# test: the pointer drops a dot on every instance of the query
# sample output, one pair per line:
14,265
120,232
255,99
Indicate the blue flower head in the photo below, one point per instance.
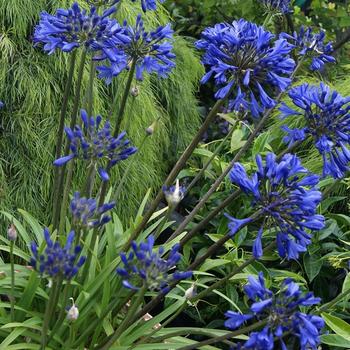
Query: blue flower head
288,202
73,28
312,45
283,315
57,261
174,194
145,267
279,6
149,4
152,52
96,145
327,119
247,64
86,214
2,104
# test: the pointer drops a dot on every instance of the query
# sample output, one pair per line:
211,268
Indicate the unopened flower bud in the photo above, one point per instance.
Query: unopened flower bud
12,233
191,292
134,91
151,128
73,312
174,194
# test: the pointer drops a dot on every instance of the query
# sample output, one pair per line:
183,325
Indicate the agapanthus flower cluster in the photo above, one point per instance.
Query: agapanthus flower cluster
248,64
74,27
327,118
149,4
312,45
145,267
57,261
97,145
174,194
280,6
287,201
86,214
283,315
150,50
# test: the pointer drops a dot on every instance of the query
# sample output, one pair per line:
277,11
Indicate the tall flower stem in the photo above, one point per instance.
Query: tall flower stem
72,124
12,281
236,158
235,333
126,322
50,308
212,157
176,169
59,143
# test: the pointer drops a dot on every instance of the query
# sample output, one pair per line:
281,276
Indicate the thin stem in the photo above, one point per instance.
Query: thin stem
213,156
72,124
225,336
126,322
335,301
176,169
163,222
12,281
59,144
90,92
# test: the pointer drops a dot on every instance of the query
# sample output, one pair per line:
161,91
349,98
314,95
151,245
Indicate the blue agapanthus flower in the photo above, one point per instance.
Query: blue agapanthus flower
57,261
280,6
97,145
152,52
327,119
86,214
312,45
149,4
174,194
288,202
283,315
2,104
74,27
146,267
247,63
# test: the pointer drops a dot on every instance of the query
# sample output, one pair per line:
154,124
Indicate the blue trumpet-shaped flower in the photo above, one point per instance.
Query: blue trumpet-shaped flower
282,312
86,213
145,267
152,52
326,115
312,45
57,261
280,6
149,4
96,145
174,194
287,202
74,27
248,64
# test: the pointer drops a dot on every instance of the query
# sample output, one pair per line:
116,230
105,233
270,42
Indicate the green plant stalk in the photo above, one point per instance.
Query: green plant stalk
234,272
12,281
90,93
213,156
126,322
225,336
50,308
59,143
90,180
117,192
55,219
176,169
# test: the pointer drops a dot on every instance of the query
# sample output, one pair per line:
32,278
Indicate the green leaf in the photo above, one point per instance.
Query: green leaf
212,263
236,140
335,340
312,264
337,325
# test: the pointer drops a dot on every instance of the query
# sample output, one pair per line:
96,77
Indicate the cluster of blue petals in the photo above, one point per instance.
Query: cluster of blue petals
248,64
282,312
281,6
313,45
74,27
288,202
149,4
327,118
145,267
86,213
151,51
57,261
96,145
